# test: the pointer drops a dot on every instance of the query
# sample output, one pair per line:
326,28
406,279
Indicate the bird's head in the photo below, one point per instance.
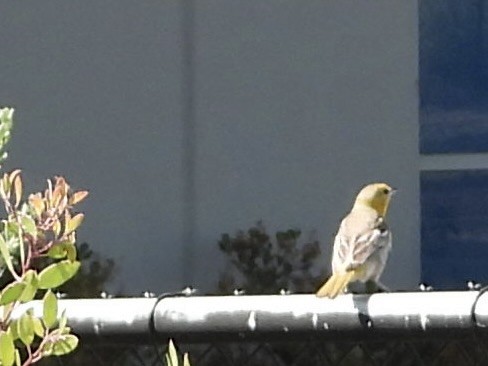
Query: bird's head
376,196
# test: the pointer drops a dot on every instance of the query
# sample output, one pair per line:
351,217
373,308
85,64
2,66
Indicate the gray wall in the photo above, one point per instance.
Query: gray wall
295,105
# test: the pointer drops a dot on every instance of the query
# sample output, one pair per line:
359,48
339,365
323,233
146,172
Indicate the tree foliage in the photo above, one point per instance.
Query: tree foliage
260,264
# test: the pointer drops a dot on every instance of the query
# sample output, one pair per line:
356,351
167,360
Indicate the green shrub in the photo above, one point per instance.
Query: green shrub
42,226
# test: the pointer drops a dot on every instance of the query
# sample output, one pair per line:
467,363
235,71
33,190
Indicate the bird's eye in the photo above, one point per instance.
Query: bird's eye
386,191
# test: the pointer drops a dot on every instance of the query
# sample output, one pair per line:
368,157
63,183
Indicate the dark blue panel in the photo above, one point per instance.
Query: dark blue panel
454,231
453,81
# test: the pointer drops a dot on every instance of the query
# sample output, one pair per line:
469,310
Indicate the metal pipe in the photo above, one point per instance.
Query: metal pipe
295,316
117,320
248,318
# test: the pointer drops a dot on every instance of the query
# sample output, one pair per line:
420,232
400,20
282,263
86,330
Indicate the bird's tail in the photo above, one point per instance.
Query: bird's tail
335,285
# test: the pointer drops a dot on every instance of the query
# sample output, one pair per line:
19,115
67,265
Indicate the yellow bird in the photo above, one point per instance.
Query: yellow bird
362,243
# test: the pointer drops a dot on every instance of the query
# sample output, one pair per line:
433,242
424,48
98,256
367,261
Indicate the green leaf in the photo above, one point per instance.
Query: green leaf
6,122
7,349
47,349
64,345
56,274
57,251
171,355
50,309
17,180
37,204
74,223
25,328
30,280
6,254
63,250
38,327
63,320
13,327
18,361
12,292
11,228
71,251
57,227
29,225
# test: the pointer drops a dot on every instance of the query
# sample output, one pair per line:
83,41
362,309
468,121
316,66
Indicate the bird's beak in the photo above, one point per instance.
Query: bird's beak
393,191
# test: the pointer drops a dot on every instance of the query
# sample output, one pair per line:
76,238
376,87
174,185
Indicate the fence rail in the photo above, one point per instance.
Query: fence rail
196,319
424,328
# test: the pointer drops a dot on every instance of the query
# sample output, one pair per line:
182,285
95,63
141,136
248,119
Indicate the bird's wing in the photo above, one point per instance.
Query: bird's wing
358,239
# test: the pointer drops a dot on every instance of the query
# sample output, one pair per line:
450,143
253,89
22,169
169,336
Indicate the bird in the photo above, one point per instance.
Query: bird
362,243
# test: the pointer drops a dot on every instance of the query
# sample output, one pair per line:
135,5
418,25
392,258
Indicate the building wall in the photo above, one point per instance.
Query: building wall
189,119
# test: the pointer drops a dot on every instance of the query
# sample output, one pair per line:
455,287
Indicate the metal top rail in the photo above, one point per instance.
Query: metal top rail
195,319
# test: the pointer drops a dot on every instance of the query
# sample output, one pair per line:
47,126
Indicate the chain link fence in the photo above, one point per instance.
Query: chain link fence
310,352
